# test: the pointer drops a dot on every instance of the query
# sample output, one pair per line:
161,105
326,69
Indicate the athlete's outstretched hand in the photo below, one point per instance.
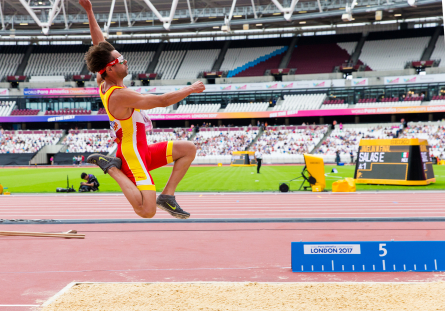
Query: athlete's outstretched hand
86,4
198,87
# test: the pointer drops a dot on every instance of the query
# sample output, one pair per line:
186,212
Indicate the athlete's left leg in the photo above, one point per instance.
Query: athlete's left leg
183,154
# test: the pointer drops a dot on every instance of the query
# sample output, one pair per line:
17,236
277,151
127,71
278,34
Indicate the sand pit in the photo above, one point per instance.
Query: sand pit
251,296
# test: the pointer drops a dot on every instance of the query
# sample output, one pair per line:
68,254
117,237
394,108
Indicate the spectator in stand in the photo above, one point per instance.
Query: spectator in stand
405,124
401,127
334,123
341,126
258,123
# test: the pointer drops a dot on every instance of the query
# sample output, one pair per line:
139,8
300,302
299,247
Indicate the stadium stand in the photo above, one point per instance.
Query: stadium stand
286,143
101,111
260,68
197,61
301,102
241,107
67,112
238,59
389,102
160,110
199,108
348,139
25,112
9,64
439,51
160,135
317,58
138,61
6,107
56,60
47,79
28,141
169,63
216,142
88,141
397,52
434,133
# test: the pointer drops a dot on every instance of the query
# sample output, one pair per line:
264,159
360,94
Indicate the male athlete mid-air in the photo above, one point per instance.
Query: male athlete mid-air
134,158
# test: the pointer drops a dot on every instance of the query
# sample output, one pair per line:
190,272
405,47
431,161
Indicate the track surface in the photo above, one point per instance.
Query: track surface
34,269
331,205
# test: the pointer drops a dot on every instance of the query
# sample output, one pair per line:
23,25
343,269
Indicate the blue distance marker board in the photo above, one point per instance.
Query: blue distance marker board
375,256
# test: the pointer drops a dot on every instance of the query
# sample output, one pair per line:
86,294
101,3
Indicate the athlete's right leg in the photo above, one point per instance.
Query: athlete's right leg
143,201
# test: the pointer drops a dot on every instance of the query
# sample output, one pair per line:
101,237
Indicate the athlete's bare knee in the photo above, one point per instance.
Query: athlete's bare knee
191,149
147,213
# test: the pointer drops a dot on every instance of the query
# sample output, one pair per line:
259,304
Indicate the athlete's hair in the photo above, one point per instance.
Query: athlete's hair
98,56
83,175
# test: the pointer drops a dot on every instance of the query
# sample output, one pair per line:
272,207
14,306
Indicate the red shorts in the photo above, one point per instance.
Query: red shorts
139,159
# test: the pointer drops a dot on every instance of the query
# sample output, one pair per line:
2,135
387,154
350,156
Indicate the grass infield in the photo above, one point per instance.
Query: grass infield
197,179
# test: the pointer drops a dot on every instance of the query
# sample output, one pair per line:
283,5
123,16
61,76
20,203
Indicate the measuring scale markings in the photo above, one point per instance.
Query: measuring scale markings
398,255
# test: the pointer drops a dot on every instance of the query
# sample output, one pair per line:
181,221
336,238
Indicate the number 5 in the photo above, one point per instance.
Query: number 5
382,249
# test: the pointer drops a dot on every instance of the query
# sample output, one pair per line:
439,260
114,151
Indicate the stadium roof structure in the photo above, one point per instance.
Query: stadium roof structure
36,18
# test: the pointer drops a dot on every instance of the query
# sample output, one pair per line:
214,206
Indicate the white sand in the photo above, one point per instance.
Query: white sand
252,296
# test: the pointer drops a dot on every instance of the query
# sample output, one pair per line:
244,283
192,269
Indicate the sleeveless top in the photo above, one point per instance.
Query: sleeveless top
130,130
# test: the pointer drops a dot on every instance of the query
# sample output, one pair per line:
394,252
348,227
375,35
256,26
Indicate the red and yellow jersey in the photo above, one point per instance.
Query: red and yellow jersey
137,158
126,130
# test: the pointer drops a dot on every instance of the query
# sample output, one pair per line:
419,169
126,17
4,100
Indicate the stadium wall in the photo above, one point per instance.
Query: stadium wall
16,158
63,158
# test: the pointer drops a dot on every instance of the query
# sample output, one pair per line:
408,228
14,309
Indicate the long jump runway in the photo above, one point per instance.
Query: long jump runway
251,241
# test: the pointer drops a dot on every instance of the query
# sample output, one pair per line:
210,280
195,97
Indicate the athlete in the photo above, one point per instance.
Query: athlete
134,158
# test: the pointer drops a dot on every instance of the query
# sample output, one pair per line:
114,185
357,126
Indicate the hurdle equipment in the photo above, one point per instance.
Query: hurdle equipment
71,234
369,256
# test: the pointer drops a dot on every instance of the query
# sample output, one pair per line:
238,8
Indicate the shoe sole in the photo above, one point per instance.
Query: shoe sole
174,214
91,160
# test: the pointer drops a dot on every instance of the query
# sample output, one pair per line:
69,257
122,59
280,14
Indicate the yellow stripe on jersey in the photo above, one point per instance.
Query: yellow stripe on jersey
169,152
147,187
129,143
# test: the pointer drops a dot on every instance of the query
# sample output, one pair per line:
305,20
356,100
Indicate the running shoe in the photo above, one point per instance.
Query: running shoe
104,162
169,204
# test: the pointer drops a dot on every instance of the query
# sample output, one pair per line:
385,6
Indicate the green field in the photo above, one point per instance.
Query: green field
197,179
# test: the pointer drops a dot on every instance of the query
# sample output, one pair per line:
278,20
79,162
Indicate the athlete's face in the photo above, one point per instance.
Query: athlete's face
120,68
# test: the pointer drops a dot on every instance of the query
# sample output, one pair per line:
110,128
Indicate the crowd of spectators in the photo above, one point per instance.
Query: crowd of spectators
434,133
88,142
223,142
176,134
26,143
296,141
346,140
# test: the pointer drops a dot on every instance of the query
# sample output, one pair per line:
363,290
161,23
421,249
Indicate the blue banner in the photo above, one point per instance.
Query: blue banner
375,256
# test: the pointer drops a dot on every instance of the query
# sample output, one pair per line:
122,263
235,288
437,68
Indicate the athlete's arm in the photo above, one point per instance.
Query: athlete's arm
131,99
96,32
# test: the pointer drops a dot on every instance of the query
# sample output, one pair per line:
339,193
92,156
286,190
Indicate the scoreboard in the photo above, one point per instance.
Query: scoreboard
394,162
243,158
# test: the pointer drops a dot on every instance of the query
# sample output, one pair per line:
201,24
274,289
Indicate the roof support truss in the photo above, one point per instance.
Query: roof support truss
52,12
165,20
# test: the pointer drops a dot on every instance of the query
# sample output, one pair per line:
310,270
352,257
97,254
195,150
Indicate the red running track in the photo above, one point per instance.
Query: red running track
267,205
34,269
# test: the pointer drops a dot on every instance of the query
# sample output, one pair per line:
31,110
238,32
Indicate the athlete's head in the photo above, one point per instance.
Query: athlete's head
106,61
